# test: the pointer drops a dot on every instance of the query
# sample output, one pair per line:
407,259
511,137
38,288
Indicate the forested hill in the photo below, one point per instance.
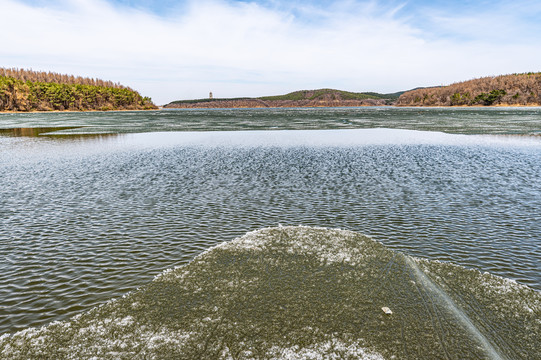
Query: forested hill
329,94
512,90
302,98
27,90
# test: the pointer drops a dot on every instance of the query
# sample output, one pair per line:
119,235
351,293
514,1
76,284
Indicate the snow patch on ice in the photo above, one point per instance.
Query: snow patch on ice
329,349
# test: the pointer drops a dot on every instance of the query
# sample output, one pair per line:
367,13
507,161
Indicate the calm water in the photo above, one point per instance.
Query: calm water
108,200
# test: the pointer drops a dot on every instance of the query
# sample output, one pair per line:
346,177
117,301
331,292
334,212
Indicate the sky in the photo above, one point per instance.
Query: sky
171,50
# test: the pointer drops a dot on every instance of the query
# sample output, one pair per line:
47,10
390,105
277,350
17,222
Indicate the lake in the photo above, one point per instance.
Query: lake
94,205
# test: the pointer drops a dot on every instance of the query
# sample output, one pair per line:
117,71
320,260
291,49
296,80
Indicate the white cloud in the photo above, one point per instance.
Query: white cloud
244,49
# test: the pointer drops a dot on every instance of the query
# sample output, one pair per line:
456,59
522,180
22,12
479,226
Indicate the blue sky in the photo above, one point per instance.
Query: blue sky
183,49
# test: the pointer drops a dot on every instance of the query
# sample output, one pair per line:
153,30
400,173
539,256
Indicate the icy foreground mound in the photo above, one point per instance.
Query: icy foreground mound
302,293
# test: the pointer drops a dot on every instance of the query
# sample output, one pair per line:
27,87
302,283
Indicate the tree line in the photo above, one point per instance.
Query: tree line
513,89
52,77
28,90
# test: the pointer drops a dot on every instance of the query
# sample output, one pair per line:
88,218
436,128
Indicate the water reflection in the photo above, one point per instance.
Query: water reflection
84,137
32,131
57,134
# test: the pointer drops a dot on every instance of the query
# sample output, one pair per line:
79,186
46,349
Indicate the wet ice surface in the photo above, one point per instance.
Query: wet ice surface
451,120
300,292
86,219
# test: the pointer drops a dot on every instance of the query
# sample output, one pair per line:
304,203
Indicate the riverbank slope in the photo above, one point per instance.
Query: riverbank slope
504,90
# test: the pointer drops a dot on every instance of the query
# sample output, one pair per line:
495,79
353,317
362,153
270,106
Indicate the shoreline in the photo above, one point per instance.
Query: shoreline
274,107
470,106
71,111
355,106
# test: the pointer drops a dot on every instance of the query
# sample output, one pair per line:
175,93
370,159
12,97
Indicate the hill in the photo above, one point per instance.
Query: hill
27,90
302,98
511,90
326,94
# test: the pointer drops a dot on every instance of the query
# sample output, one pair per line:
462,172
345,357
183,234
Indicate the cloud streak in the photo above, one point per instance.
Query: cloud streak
250,49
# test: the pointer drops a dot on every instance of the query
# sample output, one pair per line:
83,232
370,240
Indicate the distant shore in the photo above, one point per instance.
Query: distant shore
198,106
390,106
469,106
513,90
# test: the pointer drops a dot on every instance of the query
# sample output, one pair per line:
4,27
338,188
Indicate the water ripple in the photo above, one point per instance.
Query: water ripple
83,225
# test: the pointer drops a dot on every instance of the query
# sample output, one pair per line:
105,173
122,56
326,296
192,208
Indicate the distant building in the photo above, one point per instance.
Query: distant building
210,95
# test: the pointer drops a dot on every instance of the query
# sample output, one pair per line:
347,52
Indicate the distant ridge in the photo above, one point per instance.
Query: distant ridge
504,90
28,90
301,98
